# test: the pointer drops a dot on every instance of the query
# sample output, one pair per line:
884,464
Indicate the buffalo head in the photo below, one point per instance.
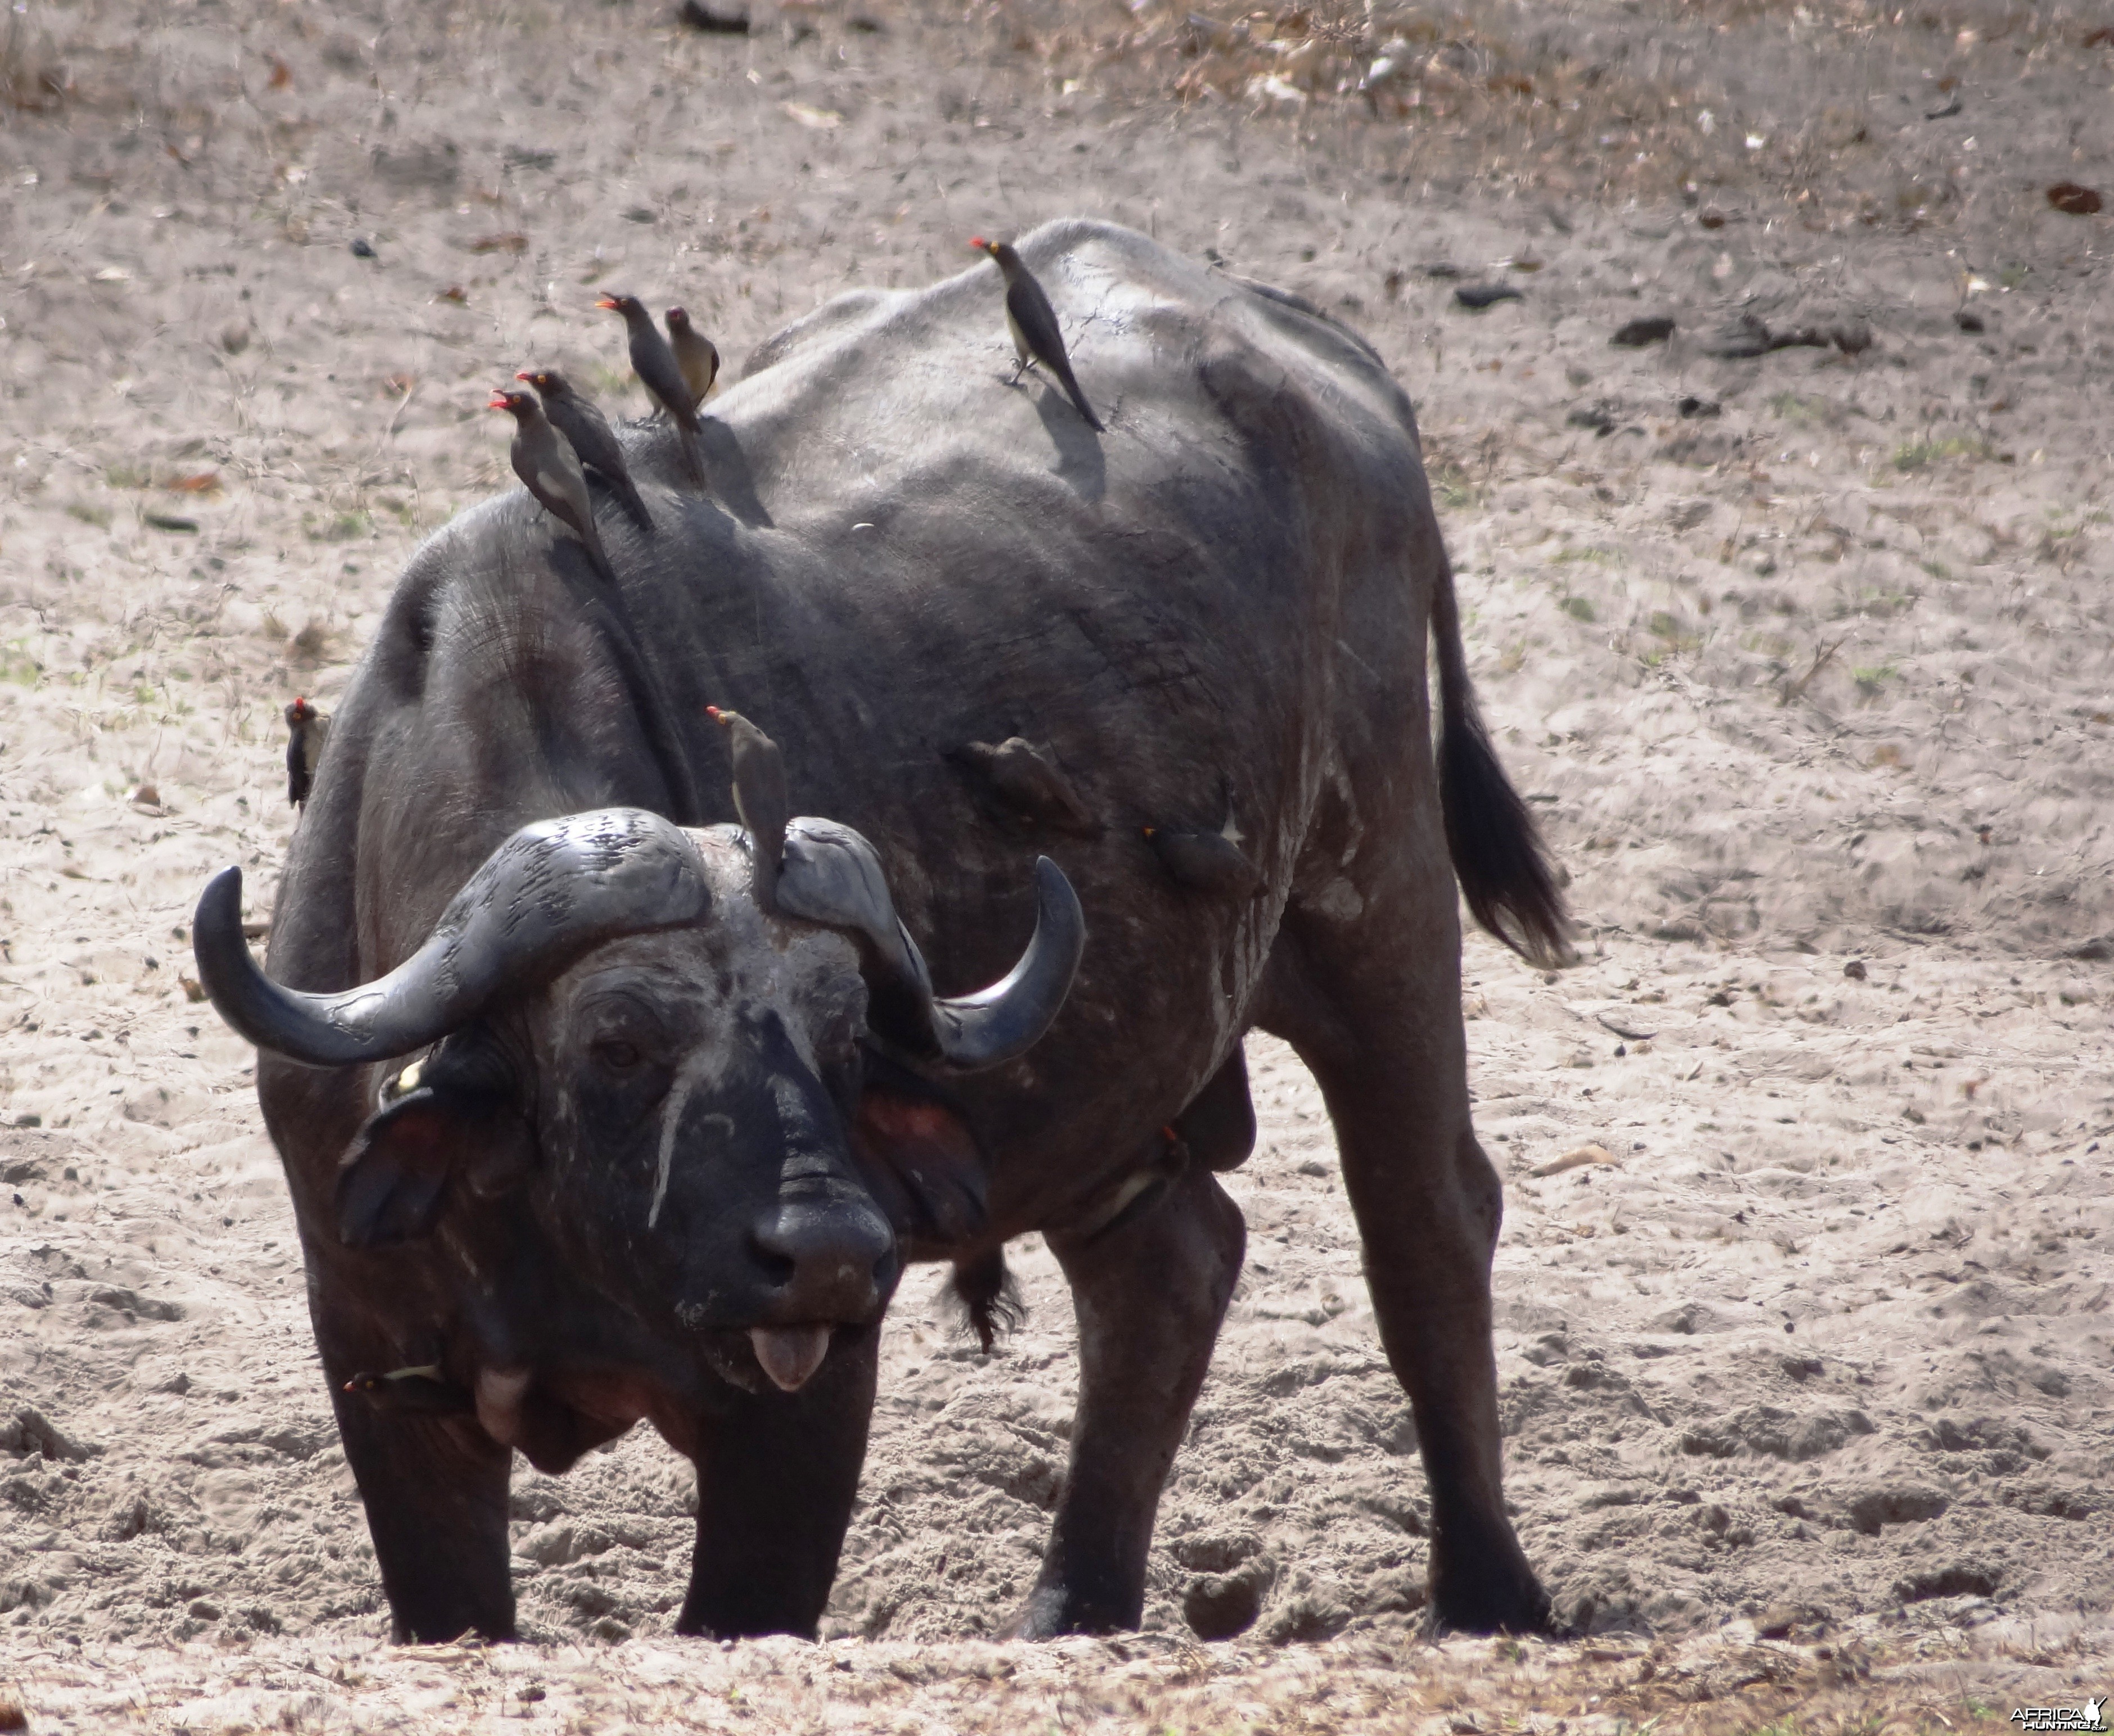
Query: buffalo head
724,1116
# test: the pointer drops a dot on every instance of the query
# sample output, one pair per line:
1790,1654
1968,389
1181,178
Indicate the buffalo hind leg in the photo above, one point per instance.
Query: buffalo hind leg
435,1489
1380,1026
1149,1293
777,1472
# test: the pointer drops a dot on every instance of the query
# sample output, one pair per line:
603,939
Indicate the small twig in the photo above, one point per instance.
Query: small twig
1822,658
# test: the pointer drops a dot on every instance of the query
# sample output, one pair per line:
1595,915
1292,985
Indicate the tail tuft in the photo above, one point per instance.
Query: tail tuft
1498,853
989,1296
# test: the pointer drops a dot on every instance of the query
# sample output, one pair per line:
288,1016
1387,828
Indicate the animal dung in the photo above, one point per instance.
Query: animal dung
1740,339
711,19
1653,328
2077,201
1480,295
1748,336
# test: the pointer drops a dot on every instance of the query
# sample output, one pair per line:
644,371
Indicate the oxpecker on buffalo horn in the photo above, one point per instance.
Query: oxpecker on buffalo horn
306,728
587,431
1024,781
1037,338
551,470
760,797
662,375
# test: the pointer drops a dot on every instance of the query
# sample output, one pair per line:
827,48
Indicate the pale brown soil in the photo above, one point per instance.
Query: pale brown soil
1822,1337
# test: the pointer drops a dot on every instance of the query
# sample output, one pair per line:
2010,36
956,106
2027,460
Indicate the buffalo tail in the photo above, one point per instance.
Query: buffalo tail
1503,867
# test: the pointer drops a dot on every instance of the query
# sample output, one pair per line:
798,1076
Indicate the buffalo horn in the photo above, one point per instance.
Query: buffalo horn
547,894
832,876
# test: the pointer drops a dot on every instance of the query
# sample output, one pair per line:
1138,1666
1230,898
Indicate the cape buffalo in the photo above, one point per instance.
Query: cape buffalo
661,1152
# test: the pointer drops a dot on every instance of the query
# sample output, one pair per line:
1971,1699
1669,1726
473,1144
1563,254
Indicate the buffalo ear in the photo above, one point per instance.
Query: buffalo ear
398,1174
922,1162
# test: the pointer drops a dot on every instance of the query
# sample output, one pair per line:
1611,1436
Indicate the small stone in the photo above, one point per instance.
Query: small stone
1854,970
1777,1621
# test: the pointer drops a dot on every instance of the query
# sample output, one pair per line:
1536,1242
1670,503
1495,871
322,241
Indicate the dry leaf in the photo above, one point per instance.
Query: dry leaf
507,241
821,120
1575,1159
206,482
454,292
282,75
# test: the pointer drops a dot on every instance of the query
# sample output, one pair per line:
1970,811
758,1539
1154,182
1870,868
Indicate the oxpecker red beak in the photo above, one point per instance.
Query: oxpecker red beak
530,377
606,302
499,402
979,243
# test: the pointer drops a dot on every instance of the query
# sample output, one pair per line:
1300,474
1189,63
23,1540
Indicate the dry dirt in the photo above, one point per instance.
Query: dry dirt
1806,659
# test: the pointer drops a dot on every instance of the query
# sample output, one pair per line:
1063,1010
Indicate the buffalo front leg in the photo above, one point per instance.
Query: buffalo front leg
777,1472
1149,1294
1381,1030
435,1489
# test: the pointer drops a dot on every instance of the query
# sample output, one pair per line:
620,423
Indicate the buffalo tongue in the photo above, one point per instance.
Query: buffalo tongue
789,1354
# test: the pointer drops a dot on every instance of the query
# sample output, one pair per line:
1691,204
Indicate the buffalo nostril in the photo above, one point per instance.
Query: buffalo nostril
822,1258
777,1267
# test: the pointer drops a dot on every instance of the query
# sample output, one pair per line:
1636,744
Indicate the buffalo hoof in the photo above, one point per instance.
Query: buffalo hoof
1050,1613
1488,1590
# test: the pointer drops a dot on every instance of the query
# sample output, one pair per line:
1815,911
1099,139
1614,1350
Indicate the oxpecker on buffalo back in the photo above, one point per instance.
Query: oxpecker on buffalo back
1037,338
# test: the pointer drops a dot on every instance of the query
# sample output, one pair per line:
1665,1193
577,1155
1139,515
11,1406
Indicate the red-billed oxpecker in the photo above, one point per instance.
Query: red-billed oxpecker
551,470
695,353
662,375
760,798
1206,861
1036,336
1026,783
306,728
587,430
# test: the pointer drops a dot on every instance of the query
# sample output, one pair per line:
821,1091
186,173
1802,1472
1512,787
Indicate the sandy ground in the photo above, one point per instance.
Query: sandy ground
1805,658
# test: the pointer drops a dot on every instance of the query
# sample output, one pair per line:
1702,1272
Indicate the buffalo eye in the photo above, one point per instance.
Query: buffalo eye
614,1054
